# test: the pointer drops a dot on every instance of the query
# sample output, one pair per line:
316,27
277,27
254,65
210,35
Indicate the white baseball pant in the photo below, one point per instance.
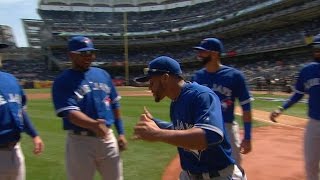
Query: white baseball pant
86,154
12,165
312,149
234,139
230,172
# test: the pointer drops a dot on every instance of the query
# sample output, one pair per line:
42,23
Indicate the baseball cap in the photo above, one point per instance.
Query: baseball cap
2,45
210,44
161,65
80,44
316,41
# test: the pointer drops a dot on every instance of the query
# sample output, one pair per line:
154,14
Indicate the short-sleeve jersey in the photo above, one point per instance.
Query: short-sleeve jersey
309,82
198,106
12,101
229,84
91,92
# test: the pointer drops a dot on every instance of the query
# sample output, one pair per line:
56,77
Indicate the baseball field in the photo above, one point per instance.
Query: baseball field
277,148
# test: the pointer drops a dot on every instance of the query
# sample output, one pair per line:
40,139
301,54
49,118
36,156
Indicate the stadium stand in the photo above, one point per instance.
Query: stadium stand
257,34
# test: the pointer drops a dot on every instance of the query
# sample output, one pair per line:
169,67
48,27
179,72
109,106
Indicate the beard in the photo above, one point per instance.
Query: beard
205,60
157,98
316,58
158,94
316,55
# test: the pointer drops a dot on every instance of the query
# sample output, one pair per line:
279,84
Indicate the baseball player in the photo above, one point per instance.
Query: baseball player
196,126
229,84
308,82
13,121
87,101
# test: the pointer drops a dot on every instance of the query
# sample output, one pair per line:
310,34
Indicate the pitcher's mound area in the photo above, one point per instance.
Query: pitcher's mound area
277,155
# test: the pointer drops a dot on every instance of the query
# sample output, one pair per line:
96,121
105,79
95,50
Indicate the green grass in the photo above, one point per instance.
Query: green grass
142,160
299,109
35,91
254,124
130,88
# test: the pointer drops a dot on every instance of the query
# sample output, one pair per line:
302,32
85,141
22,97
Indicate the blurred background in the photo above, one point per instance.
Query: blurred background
266,39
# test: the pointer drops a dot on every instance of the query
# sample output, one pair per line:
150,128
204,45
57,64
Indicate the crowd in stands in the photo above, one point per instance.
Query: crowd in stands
136,56
282,38
28,69
285,37
279,74
169,19
260,73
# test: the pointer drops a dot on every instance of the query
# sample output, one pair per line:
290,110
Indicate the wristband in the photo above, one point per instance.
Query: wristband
119,126
163,124
247,130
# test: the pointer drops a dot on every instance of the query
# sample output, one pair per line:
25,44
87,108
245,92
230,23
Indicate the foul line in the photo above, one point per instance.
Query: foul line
275,123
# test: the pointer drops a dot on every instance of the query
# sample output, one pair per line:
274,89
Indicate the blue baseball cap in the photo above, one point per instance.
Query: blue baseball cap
161,65
80,44
210,44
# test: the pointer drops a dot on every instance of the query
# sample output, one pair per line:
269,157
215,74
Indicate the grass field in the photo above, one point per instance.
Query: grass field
299,109
141,161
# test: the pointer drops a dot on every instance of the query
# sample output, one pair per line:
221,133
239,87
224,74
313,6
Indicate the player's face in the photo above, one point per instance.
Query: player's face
316,54
204,57
82,61
157,88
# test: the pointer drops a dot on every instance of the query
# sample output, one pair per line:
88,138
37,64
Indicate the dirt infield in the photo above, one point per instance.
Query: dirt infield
39,96
122,93
277,149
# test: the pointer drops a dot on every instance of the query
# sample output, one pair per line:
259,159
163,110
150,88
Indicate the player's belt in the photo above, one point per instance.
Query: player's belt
8,146
205,175
83,133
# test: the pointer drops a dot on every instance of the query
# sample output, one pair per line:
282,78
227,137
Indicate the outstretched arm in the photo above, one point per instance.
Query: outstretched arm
293,99
299,91
193,138
160,123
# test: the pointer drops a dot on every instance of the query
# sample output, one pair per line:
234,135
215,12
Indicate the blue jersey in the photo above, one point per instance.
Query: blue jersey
197,106
13,119
309,82
91,92
229,84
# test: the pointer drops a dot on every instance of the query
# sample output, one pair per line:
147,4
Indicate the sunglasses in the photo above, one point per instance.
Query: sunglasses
147,71
316,46
83,52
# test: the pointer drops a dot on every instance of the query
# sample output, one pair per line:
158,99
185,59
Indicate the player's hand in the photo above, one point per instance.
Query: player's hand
38,145
122,142
100,129
149,115
274,114
245,146
146,129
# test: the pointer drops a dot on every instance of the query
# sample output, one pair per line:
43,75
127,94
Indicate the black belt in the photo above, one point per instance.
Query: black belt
8,146
83,133
212,174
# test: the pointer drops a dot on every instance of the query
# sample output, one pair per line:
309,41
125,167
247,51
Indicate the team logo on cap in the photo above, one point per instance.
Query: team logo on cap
203,41
87,40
